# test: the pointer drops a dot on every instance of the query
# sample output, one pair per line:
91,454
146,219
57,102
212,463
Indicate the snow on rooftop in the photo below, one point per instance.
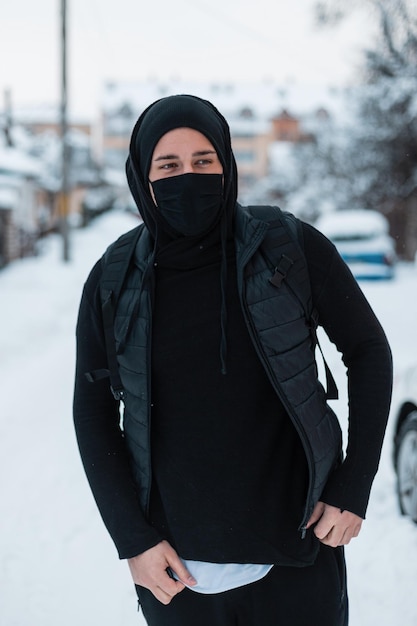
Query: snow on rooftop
265,99
248,127
45,114
14,161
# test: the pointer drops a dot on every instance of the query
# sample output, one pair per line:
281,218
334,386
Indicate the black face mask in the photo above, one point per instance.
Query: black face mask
190,203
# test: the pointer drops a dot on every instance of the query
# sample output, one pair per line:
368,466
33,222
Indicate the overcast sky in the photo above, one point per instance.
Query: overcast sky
208,40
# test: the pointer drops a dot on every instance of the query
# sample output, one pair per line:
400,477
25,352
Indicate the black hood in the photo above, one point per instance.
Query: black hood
161,117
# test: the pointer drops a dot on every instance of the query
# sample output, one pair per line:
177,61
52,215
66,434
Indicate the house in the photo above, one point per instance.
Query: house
46,120
35,135
20,204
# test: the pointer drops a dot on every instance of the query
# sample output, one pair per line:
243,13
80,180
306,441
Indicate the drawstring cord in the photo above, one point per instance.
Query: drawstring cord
223,287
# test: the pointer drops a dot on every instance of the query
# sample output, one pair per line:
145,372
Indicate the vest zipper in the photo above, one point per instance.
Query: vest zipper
149,386
259,349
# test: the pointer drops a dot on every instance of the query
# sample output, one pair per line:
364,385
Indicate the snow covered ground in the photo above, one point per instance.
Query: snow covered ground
57,565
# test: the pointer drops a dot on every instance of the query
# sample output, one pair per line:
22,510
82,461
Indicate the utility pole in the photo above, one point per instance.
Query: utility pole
8,117
64,195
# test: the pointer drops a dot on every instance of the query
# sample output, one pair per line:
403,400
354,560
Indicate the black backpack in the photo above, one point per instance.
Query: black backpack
291,267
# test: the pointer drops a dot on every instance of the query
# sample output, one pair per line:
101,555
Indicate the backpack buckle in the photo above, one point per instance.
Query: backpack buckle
281,271
118,394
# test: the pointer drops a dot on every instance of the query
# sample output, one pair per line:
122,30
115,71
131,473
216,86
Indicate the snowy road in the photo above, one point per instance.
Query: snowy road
58,566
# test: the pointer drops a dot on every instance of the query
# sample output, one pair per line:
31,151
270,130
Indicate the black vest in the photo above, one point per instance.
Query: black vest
277,310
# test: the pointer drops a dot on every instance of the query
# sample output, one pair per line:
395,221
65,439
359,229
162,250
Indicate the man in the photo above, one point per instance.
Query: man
225,487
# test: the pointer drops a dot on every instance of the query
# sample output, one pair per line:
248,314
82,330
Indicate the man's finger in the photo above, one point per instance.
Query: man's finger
165,596
323,530
180,571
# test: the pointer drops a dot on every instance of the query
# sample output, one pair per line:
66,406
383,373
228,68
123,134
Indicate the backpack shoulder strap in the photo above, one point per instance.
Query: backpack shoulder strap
283,246
116,260
115,265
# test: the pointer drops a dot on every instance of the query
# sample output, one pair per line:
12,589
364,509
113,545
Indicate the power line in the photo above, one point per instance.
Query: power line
64,195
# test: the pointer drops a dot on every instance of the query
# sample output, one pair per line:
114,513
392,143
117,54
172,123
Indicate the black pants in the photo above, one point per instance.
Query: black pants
287,596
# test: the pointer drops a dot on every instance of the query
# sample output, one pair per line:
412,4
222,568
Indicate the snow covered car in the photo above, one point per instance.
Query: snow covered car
405,446
362,239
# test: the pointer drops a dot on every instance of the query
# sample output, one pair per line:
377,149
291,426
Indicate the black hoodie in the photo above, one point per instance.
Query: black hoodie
230,474
221,438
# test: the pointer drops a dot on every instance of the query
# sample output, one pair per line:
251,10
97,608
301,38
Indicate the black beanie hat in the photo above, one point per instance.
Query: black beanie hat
177,112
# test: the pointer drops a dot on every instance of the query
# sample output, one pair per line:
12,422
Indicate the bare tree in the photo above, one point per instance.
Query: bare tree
383,145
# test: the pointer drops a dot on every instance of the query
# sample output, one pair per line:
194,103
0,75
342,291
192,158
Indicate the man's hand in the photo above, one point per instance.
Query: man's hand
149,570
334,527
